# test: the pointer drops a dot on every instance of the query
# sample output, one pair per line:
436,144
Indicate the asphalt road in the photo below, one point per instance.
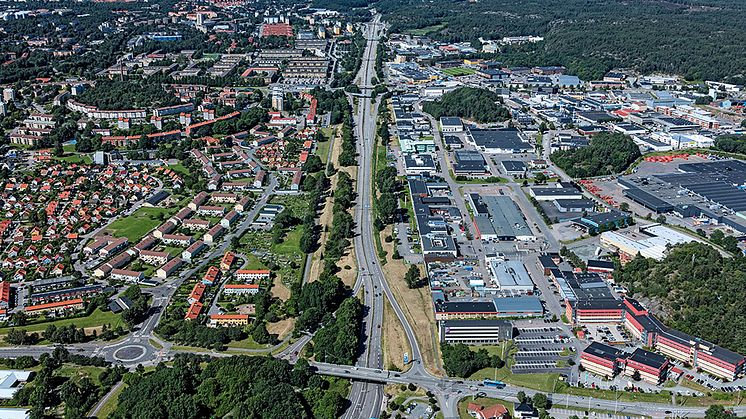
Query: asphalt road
365,398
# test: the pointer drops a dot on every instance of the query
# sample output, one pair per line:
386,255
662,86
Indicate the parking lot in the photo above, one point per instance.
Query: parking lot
542,349
607,333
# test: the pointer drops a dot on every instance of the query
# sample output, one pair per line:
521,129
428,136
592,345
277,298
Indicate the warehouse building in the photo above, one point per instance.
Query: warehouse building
498,218
651,241
511,276
523,306
551,194
498,141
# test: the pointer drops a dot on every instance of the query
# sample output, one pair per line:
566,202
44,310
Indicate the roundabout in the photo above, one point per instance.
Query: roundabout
130,353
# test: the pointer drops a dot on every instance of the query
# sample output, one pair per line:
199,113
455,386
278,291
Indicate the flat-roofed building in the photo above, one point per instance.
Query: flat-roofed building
601,360
451,310
475,332
522,306
232,289
228,320
511,276
652,367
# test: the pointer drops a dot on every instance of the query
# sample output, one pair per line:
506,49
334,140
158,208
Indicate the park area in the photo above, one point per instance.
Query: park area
139,223
284,259
458,71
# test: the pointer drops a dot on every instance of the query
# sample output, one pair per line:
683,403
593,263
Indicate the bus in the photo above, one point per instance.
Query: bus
493,383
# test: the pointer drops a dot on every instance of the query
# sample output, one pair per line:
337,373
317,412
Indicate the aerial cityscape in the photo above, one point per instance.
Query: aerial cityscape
412,209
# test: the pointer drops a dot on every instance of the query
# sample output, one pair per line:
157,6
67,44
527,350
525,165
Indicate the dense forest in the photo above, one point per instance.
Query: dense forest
731,143
606,154
239,386
460,361
128,94
467,102
590,38
697,289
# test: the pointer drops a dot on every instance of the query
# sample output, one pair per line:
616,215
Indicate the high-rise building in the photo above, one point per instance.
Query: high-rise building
9,95
278,99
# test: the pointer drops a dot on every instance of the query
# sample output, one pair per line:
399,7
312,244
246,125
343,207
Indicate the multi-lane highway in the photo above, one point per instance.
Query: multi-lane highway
366,398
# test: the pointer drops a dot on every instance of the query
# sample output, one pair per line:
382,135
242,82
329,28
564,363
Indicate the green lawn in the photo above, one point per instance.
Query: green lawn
291,243
254,262
97,318
458,71
75,158
173,251
247,343
80,371
137,225
322,150
111,404
179,168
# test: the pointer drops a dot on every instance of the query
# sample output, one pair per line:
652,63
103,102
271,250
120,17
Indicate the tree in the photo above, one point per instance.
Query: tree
460,361
387,206
636,375
607,153
540,401
313,164
521,396
624,206
412,277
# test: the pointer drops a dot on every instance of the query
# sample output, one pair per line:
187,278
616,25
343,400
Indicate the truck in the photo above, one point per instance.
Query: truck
493,383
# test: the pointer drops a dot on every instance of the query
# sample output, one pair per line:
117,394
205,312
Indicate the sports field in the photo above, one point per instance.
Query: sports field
458,71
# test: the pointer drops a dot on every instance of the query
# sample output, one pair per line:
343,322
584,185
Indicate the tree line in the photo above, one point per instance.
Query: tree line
238,386
480,105
606,154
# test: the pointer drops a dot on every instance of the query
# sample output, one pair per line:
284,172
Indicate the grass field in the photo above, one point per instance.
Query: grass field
97,318
395,342
111,404
426,30
458,71
135,226
322,150
75,158
247,343
179,168
77,372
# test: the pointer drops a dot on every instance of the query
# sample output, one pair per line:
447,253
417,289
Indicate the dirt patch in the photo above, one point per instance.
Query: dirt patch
348,276
280,290
417,306
395,343
281,328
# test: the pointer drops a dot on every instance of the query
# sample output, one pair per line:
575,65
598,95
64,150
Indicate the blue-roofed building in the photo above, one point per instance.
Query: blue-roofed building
524,306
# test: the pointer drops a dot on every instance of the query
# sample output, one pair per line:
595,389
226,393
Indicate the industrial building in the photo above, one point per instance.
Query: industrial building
469,163
651,241
523,306
511,276
708,190
498,141
499,218
475,332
